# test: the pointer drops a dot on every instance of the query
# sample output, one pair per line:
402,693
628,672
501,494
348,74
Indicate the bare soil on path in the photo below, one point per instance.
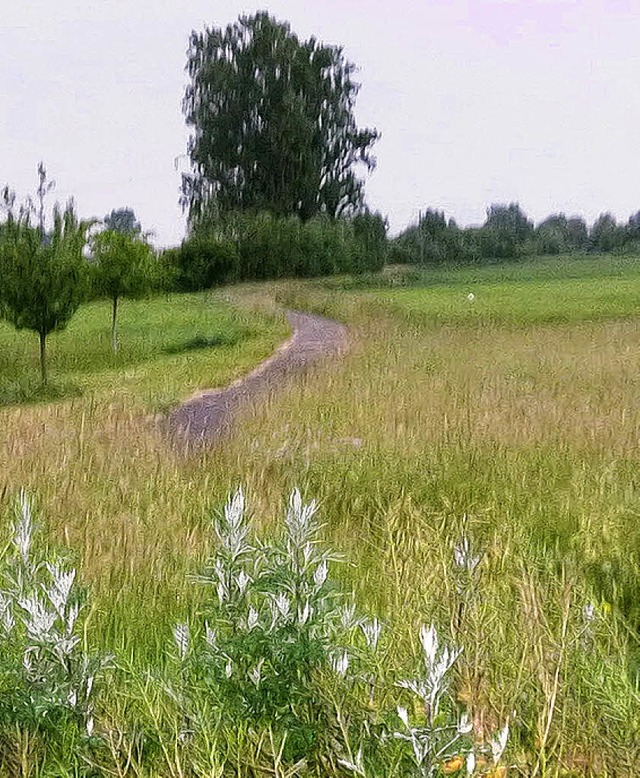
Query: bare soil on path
209,416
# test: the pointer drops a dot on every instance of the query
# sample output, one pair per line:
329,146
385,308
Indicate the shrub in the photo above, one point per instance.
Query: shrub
281,656
47,680
203,262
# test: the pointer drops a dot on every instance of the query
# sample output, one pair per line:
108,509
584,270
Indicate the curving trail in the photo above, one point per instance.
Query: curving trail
209,415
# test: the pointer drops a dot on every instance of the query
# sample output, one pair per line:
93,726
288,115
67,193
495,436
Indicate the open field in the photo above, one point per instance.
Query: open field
512,420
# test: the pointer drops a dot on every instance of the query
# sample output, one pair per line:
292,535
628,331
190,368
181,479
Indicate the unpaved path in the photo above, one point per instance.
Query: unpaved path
209,415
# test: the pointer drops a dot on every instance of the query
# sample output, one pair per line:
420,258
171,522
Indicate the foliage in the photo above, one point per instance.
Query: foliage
509,234
48,681
202,262
171,347
122,220
273,124
123,266
43,274
606,235
245,246
559,235
281,652
513,423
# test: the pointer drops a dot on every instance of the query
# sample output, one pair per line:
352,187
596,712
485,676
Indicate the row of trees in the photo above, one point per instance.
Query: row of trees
508,233
46,273
248,246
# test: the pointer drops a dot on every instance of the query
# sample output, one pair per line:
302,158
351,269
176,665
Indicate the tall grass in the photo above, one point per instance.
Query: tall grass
512,440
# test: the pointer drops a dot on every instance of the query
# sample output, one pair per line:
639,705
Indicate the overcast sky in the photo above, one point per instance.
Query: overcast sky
478,101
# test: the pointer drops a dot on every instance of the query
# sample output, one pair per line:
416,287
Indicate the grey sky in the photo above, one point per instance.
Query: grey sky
478,101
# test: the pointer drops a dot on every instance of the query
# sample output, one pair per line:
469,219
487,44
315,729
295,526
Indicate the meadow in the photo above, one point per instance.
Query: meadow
475,463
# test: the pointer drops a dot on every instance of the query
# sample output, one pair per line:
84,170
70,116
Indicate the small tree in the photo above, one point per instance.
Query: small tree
43,274
121,268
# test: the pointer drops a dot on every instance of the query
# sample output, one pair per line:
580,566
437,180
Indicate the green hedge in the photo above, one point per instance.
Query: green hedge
262,246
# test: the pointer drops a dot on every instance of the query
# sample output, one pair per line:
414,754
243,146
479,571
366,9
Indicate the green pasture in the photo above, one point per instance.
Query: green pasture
169,347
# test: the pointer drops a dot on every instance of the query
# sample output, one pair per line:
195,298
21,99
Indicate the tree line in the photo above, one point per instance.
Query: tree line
508,233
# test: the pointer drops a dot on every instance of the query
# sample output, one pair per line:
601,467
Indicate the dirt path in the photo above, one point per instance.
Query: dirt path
209,415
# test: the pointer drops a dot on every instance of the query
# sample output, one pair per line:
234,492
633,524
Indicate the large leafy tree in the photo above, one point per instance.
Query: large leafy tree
273,124
606,235
509,220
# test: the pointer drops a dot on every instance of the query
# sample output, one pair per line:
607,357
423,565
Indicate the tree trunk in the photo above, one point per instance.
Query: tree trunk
114,337
43,357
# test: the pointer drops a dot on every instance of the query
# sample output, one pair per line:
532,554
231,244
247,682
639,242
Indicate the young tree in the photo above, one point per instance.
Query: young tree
121,268
273,123
43,274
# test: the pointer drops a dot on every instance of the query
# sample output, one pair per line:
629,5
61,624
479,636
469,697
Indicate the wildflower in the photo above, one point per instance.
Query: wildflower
464,725
429,640
256,673
305,613
471,763
211,636
348,616
340,664
252,618
280,606
41,619
23,531
299,516
463,556
453,765
371,633
60,589
403,716
356,766
242,581
320,574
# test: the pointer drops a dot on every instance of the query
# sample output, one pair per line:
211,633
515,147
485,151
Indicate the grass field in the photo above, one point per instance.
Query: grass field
511,420
169,347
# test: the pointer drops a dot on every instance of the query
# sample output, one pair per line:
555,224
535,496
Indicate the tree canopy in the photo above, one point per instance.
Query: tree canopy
273,124
43,274
121,268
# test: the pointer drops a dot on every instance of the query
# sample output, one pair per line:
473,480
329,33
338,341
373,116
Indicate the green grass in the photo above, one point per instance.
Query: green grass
514,419
169,347
553,290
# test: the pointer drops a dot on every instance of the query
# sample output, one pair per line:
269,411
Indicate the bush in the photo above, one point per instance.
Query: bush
202,262
48,682
282,663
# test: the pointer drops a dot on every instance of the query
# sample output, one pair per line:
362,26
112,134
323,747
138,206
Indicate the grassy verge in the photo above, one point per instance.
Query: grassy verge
169,347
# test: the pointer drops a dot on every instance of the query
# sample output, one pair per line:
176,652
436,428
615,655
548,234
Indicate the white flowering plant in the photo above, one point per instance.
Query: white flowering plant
280,650
276,633
47,679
